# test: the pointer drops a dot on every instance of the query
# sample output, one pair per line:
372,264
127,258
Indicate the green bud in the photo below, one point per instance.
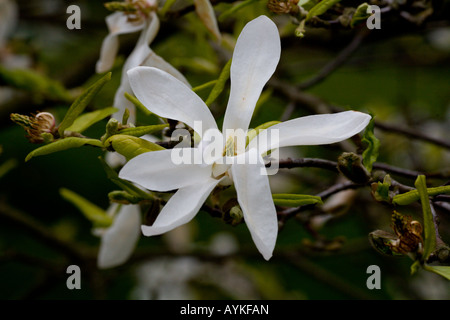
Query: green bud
384,242
351,166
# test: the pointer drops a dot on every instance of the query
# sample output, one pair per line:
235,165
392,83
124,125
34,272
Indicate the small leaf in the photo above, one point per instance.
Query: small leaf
428,220
440,270
143,130
320,8
138,104
130,146
370,154
380,190
123,197
360,14
413,195
93,213
220,84
38,85
81,103
63,144
7,166
295,200
307,4
88,119
123,184
166,7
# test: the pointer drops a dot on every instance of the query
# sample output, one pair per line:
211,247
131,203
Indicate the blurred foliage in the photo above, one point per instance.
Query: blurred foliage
399,74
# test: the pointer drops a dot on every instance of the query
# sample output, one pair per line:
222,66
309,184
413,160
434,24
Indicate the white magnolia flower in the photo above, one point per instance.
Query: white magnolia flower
119,240
255,58
120,23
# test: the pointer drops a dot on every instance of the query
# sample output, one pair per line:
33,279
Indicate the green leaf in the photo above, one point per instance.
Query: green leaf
7,166
81,103
123,197
138,104
440,270
130,146
143,130
413,195
220,84
295,200
380,190
123,184
360,14
320,8
307,4
88,119
40,86
63,144
166,7
428,220
93,213
370,154
230,12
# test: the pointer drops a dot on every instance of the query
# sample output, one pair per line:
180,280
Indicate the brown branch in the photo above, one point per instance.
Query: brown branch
338,61
412,134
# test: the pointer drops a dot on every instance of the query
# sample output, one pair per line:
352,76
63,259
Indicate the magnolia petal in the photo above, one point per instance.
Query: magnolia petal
108,53
149,33
181,208
117,24
255,198
118,242
205,12
158,170
170,98
255,59
315,130
153,60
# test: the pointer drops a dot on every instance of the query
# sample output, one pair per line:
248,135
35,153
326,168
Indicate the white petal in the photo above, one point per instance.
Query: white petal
255,199
108,53
119,241
205,12
153,60
117,24
255,59
316,129
181,208
157,171
168,97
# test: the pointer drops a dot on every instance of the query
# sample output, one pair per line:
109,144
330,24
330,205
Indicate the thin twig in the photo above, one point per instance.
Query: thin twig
338,61
412,134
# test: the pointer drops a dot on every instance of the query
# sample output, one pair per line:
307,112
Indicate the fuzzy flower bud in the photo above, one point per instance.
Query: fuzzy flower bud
37,127
283,6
